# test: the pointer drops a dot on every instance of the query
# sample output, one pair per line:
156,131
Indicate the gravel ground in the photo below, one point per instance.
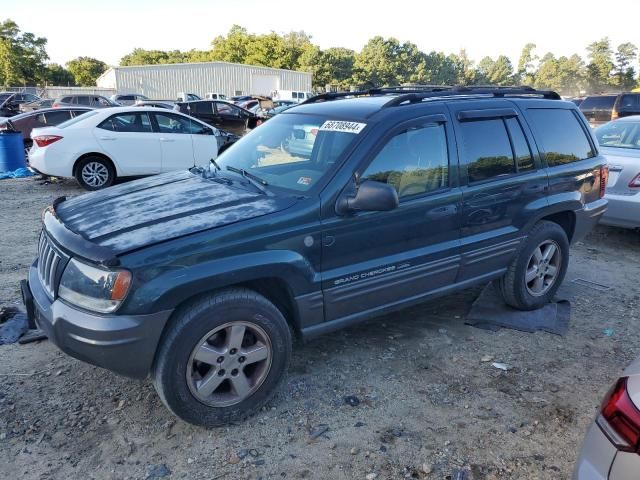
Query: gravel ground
430,402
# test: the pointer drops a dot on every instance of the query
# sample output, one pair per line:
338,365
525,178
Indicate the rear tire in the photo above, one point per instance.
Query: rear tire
223,357
539,268
95,173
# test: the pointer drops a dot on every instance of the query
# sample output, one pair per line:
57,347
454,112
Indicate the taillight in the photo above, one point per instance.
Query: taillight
602,176
614,114
44,140
619,418
55,105
635,182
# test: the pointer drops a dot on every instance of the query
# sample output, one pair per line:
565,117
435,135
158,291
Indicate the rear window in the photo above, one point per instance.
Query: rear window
627,101
561,136
600,102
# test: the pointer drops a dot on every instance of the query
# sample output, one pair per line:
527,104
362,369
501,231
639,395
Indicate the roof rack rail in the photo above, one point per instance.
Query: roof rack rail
417,93
498,92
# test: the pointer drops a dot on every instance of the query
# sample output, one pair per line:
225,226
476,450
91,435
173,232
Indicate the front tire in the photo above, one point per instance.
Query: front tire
539,269
95,173
223,357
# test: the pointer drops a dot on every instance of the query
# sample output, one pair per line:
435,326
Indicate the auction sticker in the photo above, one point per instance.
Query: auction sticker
342,126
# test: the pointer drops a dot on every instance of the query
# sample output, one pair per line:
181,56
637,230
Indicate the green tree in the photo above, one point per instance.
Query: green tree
22,56
333,66
625,55
600,65
86,70
234,47
58,75
465,73
526,66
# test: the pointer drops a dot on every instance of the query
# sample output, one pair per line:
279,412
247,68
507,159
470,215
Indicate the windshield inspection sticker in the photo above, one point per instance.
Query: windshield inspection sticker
304,181
342,126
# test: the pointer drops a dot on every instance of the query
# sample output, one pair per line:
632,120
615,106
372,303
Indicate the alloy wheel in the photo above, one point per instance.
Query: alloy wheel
229,364
543,268
95,174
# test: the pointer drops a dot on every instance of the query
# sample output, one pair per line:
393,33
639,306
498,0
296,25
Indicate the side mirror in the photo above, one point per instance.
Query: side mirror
370,196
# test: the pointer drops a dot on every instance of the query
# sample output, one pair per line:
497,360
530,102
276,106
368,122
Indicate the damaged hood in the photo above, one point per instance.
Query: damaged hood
159,208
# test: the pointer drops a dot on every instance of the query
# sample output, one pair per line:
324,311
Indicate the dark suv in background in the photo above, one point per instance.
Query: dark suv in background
600,109
345,207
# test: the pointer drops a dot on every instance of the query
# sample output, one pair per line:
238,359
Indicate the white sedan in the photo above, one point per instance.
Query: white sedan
103,144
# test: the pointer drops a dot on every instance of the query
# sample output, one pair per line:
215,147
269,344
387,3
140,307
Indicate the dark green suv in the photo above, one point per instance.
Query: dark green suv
345,207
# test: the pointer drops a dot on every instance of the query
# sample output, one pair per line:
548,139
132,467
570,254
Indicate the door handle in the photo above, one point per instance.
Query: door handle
167,140
107,138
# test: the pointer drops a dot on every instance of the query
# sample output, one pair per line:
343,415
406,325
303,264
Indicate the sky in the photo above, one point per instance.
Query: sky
110,30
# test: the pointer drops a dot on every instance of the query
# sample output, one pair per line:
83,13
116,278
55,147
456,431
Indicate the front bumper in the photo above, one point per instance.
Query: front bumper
125,344
623,211
587,218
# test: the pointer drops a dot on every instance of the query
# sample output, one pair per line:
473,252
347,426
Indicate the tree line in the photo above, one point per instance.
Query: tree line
382,61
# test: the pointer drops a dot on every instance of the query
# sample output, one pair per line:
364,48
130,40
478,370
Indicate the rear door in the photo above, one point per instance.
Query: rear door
175,141
597,108
374,260
129,140
501,180
202,111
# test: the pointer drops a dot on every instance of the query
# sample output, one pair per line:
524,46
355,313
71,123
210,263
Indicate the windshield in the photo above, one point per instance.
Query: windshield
623,134
291,151
77,119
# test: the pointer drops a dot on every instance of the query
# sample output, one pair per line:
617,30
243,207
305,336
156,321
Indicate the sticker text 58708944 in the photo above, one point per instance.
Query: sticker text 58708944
342,126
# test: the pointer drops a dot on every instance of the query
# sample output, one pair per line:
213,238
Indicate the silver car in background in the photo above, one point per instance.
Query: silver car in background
611,446
620,144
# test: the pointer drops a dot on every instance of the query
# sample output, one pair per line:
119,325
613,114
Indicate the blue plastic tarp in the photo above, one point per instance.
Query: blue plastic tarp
17,173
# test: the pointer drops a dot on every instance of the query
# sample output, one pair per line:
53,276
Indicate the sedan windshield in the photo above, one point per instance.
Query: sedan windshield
621,134
291,151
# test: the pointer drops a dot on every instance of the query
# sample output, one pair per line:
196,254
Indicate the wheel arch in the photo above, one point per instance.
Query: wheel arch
93,154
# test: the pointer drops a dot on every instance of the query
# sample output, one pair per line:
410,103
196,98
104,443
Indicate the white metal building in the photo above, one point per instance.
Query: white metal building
165,81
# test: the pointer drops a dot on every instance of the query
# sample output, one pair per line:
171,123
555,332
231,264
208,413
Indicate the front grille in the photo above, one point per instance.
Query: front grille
49,260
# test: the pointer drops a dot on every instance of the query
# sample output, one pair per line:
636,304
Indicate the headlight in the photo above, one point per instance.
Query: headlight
94,288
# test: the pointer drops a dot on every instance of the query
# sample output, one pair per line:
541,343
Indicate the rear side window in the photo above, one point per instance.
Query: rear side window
602,102
627,101
561,136
486,149
55,118
127,122
202,107
83,101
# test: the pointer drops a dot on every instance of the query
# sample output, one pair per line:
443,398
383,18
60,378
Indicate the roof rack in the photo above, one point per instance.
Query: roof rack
417,93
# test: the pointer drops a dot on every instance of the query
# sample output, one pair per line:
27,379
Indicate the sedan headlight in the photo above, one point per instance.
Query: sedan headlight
93,288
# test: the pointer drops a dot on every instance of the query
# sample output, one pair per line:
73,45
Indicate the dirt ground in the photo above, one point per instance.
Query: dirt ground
429,405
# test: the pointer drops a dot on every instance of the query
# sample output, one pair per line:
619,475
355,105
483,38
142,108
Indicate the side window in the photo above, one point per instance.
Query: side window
524,159
202,107
81,100
56,118
414,161
127,123
169,123
561,136
627,101
486,149
227,109
67,100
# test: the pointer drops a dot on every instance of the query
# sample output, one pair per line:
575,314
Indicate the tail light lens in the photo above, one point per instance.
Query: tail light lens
619,418
634,183
614,114
602,177
44,140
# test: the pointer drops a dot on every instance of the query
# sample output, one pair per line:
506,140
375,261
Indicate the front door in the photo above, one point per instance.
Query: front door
175,141
230,118
502,182
375,260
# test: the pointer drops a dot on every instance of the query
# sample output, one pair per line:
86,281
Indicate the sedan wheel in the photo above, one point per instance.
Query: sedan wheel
95,174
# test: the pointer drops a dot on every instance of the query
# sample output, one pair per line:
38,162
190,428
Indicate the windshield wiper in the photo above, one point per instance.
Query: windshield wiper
215,164
255,180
